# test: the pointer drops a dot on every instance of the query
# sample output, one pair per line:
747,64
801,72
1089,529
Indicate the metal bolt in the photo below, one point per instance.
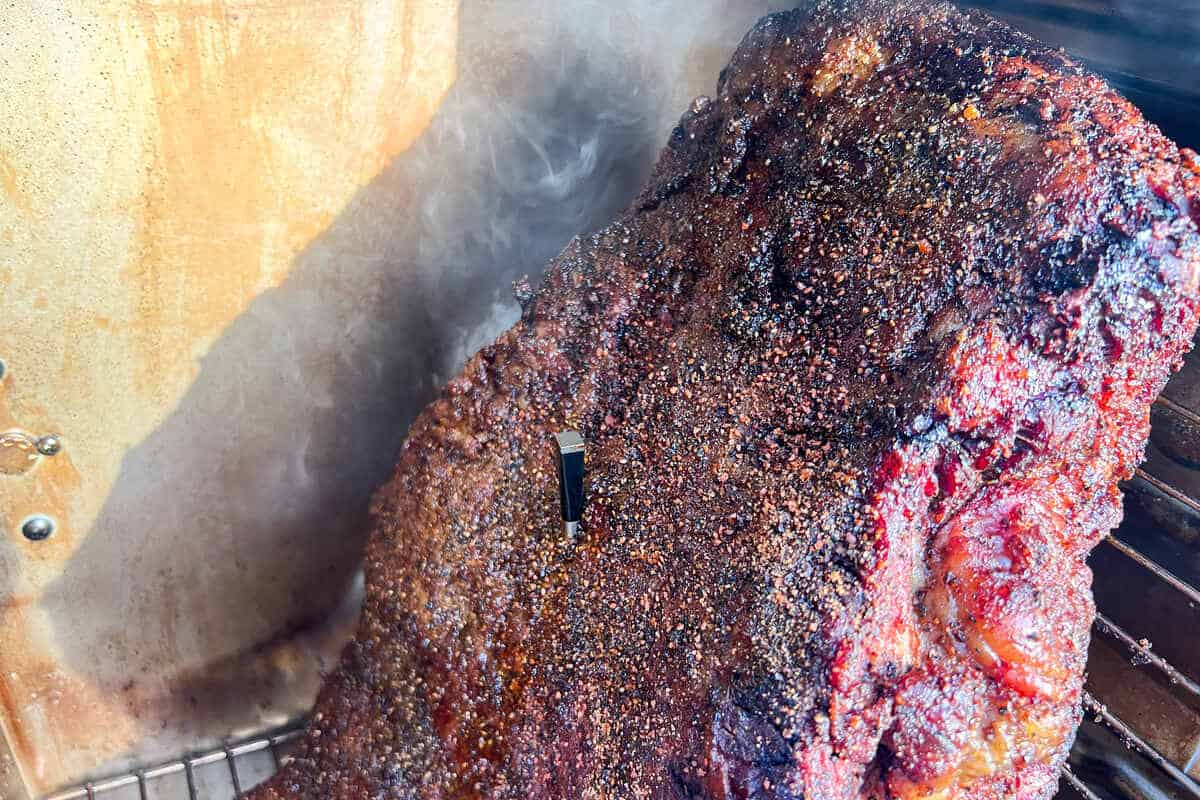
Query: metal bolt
3,369
49,445
35,529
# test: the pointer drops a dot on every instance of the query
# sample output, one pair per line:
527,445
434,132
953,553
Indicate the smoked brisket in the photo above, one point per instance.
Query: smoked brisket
859,373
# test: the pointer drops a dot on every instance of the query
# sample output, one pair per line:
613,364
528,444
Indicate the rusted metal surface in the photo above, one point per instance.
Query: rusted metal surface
163,164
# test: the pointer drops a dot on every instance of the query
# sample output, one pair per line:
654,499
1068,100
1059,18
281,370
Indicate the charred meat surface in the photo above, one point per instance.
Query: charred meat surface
859,372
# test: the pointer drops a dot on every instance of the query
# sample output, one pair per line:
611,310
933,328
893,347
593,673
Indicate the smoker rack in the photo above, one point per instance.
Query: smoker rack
220,774
1140,737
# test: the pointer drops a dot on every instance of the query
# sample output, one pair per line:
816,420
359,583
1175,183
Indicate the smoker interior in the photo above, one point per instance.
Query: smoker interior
1140,737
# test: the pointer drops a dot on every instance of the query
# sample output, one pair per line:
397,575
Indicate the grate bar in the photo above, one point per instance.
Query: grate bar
1078,785
1183,587
1130,737
1175,408
234,778
230,753
190,775
1168,489
1115,631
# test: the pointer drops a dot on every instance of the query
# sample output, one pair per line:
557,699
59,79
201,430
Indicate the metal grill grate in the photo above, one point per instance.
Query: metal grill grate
222,774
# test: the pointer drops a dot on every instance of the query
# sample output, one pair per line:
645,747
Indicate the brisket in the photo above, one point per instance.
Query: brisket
859,372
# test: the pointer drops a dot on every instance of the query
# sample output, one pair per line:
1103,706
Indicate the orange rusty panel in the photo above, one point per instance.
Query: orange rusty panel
162,164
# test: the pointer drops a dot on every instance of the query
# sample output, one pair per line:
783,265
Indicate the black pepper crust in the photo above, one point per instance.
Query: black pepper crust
898,296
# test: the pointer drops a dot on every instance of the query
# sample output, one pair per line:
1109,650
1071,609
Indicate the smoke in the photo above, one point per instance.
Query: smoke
557,118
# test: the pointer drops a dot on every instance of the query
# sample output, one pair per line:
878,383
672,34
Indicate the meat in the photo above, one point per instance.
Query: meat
859,373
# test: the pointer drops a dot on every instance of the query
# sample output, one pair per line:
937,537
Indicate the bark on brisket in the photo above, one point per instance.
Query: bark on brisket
859,371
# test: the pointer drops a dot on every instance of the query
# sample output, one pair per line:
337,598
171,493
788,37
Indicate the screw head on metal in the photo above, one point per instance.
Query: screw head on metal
49,445
37,528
